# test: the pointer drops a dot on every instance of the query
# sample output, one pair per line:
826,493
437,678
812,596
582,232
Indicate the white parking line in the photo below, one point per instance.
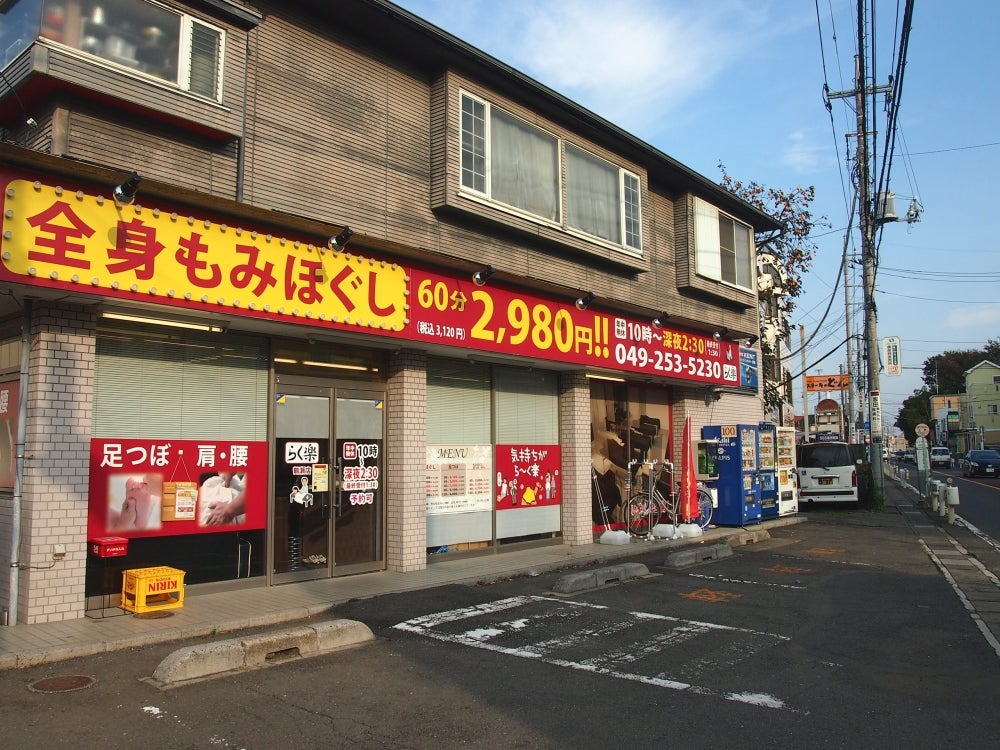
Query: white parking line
615,647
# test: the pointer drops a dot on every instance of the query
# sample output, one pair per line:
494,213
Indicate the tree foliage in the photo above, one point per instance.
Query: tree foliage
793,248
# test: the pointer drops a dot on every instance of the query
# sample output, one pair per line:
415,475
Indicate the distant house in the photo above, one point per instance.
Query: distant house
980,407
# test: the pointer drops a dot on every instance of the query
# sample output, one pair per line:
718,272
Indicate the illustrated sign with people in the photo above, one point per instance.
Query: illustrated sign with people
171,487
527,476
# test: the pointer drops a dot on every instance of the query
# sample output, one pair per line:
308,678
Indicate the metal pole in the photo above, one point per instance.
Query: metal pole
868,266
805,387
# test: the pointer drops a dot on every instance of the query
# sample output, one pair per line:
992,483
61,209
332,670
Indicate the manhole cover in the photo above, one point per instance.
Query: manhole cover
156,614
64,684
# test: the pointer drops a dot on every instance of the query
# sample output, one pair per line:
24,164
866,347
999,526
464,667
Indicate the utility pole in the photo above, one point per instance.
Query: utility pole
867,223
851,380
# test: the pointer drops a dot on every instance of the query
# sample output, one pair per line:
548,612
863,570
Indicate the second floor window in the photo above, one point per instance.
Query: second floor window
724,247
144,37
512,162
992,410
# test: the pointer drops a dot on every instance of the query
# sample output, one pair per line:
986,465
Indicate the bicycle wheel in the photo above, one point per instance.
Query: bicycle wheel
641,514
704,509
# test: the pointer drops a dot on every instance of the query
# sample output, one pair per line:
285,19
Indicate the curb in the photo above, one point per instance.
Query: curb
694,555
210,659
591,579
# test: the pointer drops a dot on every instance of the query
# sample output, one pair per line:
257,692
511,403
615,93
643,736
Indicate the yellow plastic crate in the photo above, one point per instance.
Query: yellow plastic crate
147,589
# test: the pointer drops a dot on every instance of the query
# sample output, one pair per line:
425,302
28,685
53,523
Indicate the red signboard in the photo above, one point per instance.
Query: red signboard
71,237
454,311
527,476
171,487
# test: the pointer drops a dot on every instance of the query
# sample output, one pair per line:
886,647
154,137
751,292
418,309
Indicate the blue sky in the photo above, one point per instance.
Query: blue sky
740,82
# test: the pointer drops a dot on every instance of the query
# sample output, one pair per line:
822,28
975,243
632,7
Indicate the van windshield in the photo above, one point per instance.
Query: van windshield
821,456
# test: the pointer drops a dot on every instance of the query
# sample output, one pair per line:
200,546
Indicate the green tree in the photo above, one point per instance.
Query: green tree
914,410
794,250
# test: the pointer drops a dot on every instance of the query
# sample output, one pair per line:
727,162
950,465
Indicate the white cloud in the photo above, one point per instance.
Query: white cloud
973,317
633,62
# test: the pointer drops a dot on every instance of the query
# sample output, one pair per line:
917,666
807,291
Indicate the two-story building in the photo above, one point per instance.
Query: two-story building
300,290
980,404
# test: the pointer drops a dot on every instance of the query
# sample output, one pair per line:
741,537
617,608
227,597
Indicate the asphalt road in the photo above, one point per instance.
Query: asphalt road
836,633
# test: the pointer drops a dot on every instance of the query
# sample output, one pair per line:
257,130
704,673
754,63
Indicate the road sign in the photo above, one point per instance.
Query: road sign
892,355
875,403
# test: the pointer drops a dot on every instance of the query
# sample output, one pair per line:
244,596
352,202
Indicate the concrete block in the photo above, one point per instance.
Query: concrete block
210,659
693,555
590,579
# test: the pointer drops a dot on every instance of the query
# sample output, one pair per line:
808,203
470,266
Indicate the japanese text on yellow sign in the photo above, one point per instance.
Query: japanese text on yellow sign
57,236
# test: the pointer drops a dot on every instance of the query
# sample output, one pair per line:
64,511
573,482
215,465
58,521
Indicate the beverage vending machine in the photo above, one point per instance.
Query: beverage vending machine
788,480
766,434
738,484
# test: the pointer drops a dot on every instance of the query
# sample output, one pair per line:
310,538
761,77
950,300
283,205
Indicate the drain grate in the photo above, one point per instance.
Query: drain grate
63,684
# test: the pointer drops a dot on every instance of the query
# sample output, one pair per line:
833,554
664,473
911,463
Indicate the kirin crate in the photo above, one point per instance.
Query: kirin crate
149,589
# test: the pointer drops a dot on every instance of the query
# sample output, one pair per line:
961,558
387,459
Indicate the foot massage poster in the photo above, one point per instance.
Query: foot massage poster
142,488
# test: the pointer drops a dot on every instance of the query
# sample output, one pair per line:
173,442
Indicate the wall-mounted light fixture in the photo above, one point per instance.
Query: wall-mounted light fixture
125,193
661,320
753,340
479,278
582,303
720,334
612,378
191,325
339,242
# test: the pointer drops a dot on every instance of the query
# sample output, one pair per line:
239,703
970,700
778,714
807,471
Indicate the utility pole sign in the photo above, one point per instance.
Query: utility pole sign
892,355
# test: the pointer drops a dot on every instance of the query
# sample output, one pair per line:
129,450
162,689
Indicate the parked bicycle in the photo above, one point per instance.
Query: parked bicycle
658,502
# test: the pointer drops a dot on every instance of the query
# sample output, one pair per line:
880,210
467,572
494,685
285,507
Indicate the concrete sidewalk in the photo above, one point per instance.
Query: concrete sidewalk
207,612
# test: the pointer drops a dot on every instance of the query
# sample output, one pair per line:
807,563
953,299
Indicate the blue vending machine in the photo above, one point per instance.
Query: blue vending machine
766,446
739,475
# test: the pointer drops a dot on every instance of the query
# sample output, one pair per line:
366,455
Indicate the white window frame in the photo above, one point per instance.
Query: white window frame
185,36
629,183
629,227
709,248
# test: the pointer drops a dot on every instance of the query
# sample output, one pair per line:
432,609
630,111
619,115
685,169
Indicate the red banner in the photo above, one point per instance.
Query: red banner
70,238
527,476
171,487
456,312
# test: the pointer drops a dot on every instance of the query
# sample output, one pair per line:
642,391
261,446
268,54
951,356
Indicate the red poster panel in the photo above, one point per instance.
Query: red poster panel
527,476
9,395
143,488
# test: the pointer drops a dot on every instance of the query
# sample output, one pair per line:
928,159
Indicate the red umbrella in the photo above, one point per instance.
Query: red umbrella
689,484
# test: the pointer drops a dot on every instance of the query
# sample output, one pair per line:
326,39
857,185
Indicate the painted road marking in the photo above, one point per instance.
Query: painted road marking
723,579
710,595
633,646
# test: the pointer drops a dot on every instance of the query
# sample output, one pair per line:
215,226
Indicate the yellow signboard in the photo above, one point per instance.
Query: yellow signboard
827,382
57,237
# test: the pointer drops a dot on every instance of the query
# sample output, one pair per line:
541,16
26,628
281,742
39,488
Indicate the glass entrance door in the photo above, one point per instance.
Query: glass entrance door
302,500
328,482
359,462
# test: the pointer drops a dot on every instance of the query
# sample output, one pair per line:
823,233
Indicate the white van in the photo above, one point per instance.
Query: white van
827,473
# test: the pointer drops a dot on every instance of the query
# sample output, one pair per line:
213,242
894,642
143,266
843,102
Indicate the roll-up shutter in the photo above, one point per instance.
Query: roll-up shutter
527,406
458,402
458,415
189,387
